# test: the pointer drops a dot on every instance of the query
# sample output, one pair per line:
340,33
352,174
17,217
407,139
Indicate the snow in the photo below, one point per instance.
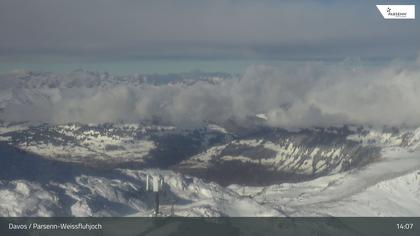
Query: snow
76,143
262,116
414,141
378,137
288,156
23,198
390,186
6,128
81,209
375,191
217,128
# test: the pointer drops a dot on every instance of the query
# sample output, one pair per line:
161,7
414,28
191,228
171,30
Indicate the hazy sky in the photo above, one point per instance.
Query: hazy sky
194,29
291,95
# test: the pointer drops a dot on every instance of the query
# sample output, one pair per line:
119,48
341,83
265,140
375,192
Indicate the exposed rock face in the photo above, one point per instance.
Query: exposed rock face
272,156
263,156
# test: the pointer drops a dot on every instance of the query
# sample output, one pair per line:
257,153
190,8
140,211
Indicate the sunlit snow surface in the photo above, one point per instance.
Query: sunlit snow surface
389,186
219,167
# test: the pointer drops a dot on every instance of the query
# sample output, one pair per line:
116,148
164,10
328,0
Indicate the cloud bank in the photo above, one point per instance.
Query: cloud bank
291,95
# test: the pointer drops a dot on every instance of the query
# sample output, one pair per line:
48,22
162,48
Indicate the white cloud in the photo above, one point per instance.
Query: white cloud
291,95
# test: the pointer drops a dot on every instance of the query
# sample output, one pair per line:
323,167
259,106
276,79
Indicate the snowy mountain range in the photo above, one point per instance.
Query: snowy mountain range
212,168
99,170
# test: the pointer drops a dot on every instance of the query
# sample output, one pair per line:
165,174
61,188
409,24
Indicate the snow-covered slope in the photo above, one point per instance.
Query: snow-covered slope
48,174
80,143
265,156
108,143
123,193
388,187
276,155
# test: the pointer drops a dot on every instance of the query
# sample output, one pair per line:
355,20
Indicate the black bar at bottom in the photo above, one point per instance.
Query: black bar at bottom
301,226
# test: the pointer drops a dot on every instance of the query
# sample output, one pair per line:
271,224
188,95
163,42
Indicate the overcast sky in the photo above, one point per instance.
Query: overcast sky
197,29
